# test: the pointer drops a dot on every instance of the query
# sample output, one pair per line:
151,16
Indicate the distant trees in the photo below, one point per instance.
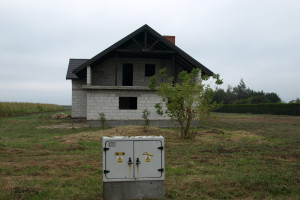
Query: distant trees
273,97
295,101
240,94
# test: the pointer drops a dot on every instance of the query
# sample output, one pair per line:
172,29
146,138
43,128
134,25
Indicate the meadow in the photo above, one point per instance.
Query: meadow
12,109
235,156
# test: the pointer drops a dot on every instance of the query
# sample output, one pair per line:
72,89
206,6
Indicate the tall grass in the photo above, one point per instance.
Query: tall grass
11,109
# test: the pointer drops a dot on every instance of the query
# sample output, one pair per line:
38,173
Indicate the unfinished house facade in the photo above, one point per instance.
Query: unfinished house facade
115,81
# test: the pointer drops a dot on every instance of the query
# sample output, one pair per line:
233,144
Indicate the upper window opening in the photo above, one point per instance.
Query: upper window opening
127,75
149,69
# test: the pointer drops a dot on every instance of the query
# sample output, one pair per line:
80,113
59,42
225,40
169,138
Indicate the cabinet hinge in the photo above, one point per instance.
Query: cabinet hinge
105,148
161,170
106,171
161,148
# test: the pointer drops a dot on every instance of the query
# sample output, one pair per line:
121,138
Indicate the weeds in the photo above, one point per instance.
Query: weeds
146,121
102,119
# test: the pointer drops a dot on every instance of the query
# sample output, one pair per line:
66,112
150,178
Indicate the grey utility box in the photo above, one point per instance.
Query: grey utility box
133,167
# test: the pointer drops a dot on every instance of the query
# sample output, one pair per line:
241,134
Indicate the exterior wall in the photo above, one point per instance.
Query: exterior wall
88,75
104,73
78,99
107,101
88,103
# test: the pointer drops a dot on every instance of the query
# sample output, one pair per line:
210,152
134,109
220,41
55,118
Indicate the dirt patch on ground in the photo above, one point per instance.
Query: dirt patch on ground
118,131
64,125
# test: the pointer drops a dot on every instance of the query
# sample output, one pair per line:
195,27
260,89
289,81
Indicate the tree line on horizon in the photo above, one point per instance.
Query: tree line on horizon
241,94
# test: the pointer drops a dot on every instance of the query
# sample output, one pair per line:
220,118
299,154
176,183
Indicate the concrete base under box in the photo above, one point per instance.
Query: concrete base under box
133,190
116,123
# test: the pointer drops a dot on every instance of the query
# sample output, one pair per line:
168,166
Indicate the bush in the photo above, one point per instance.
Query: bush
266,108
241,101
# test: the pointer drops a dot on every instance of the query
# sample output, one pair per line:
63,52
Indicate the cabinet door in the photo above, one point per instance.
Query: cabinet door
148,159
117,160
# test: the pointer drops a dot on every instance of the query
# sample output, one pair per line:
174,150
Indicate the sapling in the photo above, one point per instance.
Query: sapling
187,101
102,119
145,117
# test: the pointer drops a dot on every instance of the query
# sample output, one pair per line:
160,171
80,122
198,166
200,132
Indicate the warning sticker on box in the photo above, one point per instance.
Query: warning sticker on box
148,159
119,153
119,160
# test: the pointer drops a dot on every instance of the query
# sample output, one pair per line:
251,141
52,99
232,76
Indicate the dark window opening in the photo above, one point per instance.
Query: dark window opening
127,103
149,69
127,75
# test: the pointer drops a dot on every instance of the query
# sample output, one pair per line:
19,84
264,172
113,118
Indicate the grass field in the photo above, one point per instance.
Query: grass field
12,109
236,156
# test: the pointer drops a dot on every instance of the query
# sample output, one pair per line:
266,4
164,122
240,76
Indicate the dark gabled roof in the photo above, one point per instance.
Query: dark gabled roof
73,63
180,53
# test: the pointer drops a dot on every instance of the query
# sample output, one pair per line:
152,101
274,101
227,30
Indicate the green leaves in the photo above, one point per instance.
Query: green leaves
163,72
218,80
159,110
145,117
153,82
188,101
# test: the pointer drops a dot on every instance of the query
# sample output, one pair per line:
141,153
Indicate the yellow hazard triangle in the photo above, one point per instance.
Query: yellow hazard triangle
148,159
120,159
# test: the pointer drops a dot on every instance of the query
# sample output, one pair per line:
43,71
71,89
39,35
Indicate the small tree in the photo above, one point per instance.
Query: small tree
102,119
146,122
188,102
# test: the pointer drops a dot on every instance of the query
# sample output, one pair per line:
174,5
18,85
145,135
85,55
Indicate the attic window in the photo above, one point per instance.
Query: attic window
127,103
149,69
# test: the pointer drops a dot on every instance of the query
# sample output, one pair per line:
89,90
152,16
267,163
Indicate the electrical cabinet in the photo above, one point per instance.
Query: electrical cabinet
138,158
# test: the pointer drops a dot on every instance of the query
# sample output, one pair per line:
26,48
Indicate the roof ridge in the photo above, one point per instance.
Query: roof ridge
184,55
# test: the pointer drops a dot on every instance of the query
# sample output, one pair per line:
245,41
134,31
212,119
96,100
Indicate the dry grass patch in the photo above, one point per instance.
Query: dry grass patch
214,135
119,131
63,125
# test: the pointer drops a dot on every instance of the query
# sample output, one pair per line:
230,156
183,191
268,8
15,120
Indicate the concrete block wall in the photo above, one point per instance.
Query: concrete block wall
104,73
79,99
107,101
88,75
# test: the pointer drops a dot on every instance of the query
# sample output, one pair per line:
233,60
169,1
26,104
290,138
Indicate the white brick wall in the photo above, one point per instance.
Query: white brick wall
108,102
88,75
89,103
78,99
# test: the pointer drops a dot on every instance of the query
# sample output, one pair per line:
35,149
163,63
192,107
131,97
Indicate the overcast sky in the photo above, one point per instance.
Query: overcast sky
257,40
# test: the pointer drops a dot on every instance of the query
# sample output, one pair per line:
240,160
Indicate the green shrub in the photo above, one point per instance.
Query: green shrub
102,119
145,117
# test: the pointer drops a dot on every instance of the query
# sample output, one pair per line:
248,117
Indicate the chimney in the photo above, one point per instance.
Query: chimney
170,38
